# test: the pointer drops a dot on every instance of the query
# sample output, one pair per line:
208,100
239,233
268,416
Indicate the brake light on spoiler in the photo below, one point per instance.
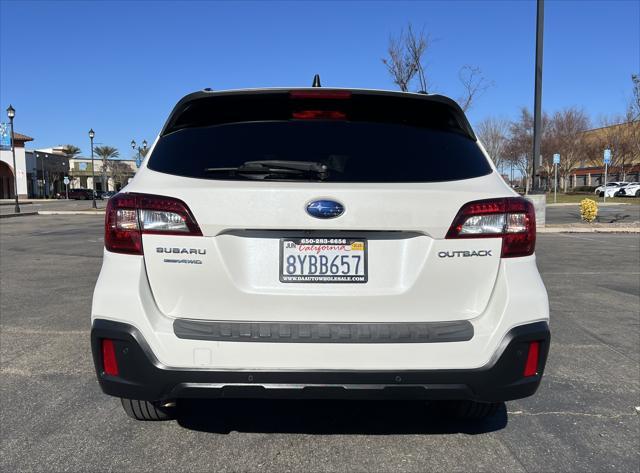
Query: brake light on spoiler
129,216
513,219
319,104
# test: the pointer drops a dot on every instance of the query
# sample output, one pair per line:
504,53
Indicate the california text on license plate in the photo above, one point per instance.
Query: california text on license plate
326,260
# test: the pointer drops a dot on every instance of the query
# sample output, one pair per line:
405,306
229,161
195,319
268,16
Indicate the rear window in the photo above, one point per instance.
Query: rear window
356,139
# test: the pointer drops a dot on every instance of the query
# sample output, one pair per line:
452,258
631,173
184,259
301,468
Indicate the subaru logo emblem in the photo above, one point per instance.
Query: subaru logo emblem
325,208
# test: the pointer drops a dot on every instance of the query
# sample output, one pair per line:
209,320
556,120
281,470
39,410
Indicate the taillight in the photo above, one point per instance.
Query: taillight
513,219
129,216
109,361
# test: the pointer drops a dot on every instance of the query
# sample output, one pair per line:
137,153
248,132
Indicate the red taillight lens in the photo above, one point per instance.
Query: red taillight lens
109,362
513,219
129,216
320,104
531,366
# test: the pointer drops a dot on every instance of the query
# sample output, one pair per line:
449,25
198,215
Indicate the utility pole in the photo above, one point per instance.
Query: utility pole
537,105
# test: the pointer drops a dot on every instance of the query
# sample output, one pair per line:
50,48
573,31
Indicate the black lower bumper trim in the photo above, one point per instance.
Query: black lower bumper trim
317,332
142,376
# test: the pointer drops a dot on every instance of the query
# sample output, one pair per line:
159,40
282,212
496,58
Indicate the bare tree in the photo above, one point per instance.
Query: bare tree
405,62
474,84
621,135
405,58
518,147
119,172
493,133
566,136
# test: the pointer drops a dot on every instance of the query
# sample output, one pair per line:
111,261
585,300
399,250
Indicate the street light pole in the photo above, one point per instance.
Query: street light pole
44,177
11,112
537,103
139,150
92,134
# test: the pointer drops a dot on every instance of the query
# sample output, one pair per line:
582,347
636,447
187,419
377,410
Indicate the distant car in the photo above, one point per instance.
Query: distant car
612,188
109,194
598,190
82,194
630,190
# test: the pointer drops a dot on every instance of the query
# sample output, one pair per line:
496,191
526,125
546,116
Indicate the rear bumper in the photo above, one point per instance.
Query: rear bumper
142,376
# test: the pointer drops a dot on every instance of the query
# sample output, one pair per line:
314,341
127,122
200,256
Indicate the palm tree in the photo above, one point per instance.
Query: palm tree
105,153
71,151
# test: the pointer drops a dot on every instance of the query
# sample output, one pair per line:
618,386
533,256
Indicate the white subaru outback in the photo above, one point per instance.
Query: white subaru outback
314,243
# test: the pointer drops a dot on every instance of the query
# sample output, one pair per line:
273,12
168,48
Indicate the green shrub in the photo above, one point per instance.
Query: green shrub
583,189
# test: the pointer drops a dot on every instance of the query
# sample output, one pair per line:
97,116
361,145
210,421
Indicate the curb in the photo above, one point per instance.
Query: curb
600,204
21,214
70,212
13,202
589,230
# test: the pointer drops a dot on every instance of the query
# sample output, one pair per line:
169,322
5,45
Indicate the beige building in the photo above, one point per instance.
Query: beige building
47,168
112,177
624,142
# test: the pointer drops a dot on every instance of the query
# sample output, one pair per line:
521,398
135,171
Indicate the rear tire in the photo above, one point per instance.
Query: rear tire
638,193
145,410
470,410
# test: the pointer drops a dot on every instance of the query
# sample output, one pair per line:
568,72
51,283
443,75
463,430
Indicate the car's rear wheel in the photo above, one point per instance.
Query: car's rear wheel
146,410
638,193
470,409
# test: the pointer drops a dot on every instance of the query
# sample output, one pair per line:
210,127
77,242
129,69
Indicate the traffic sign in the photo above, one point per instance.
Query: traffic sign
66,180
556,158
607,156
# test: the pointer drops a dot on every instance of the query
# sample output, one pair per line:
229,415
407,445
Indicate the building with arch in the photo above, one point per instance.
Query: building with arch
7,185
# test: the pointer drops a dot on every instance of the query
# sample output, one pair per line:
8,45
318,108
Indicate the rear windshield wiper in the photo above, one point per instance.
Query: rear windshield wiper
268,167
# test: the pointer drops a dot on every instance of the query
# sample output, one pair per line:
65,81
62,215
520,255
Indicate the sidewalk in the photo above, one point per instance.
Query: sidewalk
591,228
574,204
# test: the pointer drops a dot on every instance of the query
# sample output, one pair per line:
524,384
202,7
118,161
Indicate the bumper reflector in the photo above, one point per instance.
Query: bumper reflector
531,367
109,362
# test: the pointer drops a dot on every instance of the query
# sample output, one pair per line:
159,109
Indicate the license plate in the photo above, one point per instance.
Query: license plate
323,260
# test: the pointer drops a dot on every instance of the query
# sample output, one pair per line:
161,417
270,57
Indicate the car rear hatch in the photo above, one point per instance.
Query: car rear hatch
397,170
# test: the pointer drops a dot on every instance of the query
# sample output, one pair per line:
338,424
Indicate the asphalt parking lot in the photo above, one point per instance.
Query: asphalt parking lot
37,205
607,213
53,416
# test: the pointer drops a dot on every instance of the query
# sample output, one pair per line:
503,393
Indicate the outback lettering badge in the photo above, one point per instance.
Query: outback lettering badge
463,254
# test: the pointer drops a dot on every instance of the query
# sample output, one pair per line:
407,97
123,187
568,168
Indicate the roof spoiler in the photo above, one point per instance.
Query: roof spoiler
189,100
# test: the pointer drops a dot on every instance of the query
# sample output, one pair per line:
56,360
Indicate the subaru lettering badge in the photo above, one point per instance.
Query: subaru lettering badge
325,208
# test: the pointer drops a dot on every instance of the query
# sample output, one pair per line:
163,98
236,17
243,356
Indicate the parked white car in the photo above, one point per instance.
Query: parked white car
318,243
630,190
611,186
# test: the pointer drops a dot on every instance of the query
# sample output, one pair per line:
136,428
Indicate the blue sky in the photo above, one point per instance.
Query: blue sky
120,66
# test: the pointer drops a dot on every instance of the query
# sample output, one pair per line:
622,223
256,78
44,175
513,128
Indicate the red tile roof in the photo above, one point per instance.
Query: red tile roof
21,137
